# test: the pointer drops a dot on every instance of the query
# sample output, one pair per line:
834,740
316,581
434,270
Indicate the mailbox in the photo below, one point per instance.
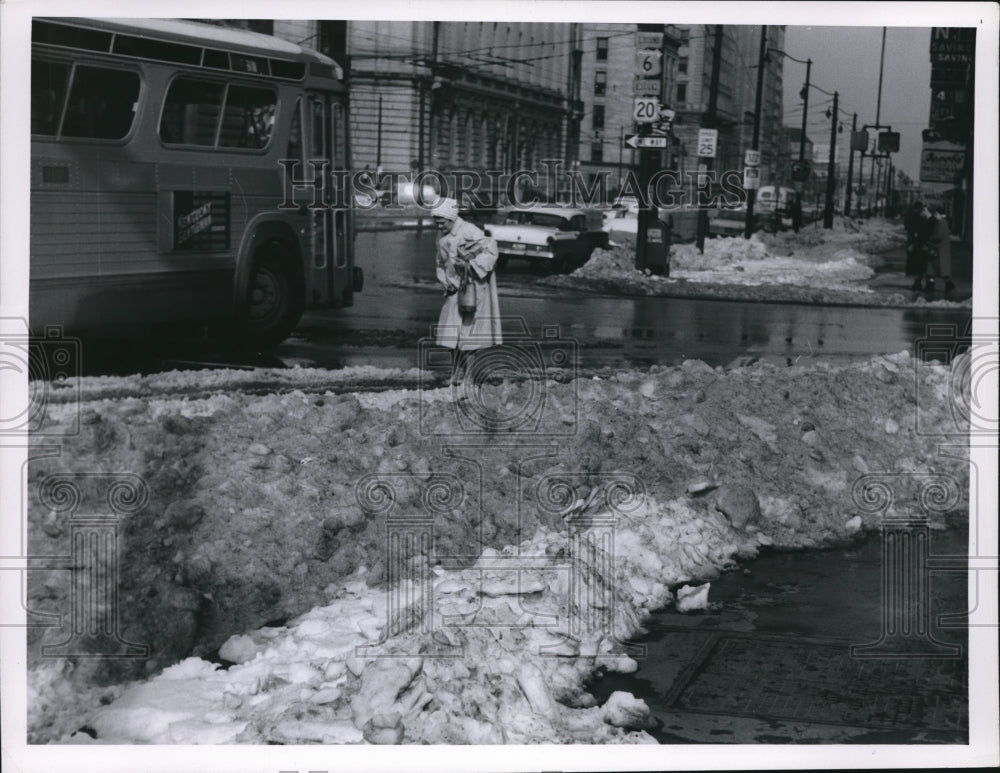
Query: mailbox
657,253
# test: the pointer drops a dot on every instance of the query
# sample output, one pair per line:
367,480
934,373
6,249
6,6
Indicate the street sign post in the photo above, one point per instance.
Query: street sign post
649,39
642,141
751,177
649,87
707,142
649,62
646,109
751,157
653,122
888,142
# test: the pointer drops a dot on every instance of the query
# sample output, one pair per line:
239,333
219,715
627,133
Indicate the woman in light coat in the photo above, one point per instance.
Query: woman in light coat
465,255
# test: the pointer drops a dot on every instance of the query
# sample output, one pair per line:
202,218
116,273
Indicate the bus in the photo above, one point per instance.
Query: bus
162,156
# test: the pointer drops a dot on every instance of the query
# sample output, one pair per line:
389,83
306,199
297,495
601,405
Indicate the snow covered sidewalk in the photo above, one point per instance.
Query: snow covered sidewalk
833,267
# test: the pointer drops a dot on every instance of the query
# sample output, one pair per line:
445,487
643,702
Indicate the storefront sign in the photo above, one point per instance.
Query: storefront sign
940,165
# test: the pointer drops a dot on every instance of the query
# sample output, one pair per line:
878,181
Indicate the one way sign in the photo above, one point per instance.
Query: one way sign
635,141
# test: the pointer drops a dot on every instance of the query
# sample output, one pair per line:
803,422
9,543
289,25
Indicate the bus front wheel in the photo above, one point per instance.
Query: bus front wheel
274,298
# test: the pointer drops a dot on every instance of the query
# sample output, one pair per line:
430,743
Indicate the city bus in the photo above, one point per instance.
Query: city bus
162,157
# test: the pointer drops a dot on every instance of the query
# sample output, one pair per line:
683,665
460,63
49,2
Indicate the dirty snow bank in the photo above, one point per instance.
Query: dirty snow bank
263,543
812,266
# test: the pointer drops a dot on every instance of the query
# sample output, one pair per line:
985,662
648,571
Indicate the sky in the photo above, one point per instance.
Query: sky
846,60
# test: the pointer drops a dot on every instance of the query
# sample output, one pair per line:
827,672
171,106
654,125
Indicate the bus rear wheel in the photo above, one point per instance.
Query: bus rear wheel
274,297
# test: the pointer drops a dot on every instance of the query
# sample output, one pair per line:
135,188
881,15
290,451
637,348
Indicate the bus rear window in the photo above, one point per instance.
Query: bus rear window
101,103
191,112
49,81
248,118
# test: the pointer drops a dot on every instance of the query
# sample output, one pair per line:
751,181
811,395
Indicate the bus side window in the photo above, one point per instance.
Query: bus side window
48,92
101,103
191,112
248,118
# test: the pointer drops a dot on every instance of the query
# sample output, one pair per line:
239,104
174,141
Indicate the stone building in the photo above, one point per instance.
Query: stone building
606,92
451,95
608,69
736,99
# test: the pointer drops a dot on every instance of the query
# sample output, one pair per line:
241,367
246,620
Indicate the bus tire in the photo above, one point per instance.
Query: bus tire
274,296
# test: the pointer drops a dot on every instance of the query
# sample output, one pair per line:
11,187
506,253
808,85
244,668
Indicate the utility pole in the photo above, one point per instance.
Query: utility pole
878,187
752,192
881,66
831,166
850,167
648,111
888,187
805,111
709,123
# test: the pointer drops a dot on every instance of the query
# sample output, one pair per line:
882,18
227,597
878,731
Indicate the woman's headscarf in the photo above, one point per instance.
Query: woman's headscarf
448,209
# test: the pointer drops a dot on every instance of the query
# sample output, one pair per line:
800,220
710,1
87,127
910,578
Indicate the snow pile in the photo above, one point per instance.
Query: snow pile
264,542
813,266
502,665
738,261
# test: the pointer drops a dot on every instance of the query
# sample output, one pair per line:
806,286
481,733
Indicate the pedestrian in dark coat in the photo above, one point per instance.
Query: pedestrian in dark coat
940,257
924,250
911,223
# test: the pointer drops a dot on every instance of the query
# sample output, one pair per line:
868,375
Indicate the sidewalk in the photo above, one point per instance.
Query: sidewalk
783,654
891,276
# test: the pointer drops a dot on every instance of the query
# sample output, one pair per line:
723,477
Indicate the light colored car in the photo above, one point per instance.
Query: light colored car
560,237
731,222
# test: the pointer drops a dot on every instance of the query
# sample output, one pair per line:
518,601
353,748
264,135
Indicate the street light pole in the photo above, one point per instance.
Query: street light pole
805,111
831,165
752,193
710,123
850,167
881,65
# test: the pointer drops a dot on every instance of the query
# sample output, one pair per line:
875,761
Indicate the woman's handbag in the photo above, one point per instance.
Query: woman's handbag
467,295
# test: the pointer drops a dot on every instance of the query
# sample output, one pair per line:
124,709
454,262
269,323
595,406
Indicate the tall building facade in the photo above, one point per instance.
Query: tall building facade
456,95
608,70
740,49
946,159
449,96
606,92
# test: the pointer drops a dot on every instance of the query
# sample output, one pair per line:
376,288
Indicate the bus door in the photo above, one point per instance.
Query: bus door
330,261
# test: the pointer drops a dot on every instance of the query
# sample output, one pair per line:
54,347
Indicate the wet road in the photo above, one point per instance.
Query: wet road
401,301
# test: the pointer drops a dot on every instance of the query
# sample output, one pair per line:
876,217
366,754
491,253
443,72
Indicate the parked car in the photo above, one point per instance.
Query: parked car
778,202
559,237
404,194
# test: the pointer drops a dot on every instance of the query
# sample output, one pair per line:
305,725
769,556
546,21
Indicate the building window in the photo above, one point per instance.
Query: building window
682,65
598,117
597,151
681,93
602,49
600,83
685,35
